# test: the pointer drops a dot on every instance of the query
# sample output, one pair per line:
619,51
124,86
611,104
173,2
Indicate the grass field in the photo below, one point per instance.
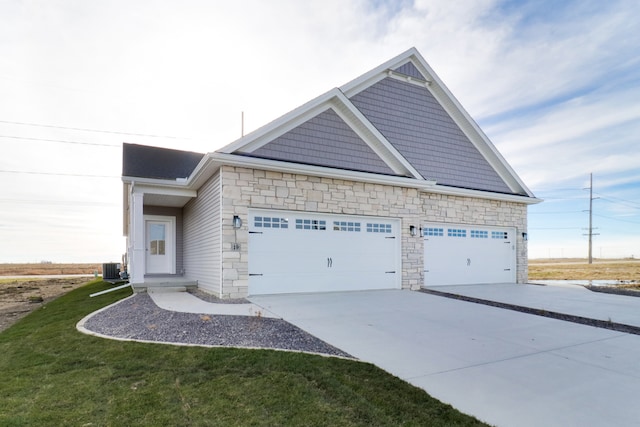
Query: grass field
51,374
33,269
580,269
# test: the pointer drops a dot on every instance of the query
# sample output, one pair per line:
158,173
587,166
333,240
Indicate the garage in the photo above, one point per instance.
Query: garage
456,254
292,252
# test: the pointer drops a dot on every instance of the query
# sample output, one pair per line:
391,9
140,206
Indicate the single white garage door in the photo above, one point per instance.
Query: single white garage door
468,254
307,252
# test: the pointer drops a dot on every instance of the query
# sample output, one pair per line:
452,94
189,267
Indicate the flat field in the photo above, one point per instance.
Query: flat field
48,269
621,270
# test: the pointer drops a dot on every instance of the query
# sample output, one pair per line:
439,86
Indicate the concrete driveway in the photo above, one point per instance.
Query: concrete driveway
505,367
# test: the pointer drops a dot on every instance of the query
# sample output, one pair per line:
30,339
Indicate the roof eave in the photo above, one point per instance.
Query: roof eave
321,171
480,194
156,182
213,161
420,184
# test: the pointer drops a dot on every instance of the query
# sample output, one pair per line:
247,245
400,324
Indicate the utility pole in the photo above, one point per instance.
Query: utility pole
591,218
591,234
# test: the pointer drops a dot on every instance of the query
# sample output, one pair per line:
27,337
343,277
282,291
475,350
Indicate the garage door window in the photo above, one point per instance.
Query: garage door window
346,226
270,222
429,231
311,224
499,235
378,228
456,232
479,234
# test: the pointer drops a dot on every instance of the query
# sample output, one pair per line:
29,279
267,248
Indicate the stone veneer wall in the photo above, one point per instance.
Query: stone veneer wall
244,188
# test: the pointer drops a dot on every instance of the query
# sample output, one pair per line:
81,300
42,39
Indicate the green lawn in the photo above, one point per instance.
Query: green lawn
52,375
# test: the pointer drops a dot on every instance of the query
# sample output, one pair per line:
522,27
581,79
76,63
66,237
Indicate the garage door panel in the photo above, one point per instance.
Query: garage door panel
468,254
316,253
283,254
364,252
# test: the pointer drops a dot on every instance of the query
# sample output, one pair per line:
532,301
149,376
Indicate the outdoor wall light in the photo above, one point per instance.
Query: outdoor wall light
237,222
525,237
413,231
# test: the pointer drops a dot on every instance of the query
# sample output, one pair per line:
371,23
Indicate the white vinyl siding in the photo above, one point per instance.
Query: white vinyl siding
202,237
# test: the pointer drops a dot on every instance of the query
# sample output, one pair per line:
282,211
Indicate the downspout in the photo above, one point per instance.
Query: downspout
106,291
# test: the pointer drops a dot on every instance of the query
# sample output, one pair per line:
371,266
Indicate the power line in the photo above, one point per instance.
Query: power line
616,219
554,213
623,202
562,198
557,190
90,130
555,228
59,174
59,140
59,202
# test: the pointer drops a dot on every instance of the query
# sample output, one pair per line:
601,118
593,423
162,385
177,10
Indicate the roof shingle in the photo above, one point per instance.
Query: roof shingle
143,161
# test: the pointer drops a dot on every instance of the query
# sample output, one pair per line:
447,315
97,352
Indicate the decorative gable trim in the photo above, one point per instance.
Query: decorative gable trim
279,127
340,104
325,140
372,136
409,79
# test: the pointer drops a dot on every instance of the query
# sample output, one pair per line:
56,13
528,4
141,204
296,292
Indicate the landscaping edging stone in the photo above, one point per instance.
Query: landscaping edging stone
605,324
613,290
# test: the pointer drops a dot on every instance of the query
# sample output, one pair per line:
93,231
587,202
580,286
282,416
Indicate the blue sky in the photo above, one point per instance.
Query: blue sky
555,86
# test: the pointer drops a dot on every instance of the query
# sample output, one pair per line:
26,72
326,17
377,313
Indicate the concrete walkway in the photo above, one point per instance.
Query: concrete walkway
505,367
185,302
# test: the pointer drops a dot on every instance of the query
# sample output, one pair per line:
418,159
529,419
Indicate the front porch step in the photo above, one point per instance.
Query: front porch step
161,289
164,284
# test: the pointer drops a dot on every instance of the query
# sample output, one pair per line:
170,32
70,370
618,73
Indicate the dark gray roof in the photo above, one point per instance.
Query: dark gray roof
143,161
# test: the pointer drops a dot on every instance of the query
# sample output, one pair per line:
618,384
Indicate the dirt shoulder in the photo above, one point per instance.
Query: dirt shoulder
19,297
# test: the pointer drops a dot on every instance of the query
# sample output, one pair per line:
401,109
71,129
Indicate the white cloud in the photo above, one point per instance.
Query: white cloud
550,90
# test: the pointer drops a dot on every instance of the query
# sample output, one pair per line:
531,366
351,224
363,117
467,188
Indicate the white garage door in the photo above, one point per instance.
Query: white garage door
306,252
466,254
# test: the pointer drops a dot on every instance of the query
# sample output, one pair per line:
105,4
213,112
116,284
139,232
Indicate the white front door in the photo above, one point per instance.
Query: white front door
160,245
456,254
309,252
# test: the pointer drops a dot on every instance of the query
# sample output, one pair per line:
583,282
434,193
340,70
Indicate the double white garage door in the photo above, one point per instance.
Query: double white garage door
293,252
306,252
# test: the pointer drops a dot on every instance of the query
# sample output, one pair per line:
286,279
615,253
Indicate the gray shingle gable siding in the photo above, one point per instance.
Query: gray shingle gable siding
421,130
325,140
143,161
409,69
